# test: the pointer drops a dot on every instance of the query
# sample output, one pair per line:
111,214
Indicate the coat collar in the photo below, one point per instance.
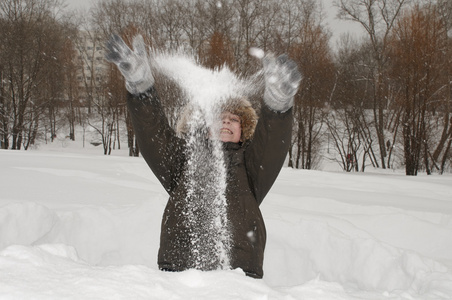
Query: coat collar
231,146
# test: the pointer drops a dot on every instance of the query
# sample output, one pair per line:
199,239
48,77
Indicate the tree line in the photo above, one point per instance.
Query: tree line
382,99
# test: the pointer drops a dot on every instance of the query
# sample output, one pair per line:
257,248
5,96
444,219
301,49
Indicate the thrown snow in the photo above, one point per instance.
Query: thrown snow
203,86
256,52
75,224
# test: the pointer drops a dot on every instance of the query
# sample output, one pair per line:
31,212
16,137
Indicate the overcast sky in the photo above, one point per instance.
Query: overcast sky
338,27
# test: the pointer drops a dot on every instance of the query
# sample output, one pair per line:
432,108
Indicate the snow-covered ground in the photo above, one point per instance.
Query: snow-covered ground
75,224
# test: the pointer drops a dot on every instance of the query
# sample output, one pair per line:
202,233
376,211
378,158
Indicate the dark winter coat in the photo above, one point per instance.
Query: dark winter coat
252,169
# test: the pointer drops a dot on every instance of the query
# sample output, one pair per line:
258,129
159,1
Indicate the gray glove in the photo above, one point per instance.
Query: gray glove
282,79
134,65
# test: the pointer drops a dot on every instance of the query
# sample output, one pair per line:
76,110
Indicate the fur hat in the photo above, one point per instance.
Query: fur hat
237,106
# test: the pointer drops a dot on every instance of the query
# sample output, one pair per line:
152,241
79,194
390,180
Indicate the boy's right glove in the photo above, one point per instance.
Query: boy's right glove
282,79
133,65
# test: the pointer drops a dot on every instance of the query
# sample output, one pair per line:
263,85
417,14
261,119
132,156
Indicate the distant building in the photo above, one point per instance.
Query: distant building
92,70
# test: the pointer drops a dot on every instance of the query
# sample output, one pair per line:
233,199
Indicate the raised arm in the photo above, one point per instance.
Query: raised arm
266,154
158,143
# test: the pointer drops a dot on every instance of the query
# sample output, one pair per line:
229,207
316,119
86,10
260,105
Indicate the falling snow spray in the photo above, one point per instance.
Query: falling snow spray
206,205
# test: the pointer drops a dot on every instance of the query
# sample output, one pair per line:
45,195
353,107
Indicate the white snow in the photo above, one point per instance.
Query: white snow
75,224
204,87
256,52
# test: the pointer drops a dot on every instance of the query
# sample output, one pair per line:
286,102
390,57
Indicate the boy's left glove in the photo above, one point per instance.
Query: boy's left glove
133,65
282,79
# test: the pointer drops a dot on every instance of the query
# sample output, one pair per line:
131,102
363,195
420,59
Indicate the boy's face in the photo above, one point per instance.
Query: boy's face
230,127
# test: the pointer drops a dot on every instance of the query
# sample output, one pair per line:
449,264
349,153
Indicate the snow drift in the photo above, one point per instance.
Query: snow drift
74,224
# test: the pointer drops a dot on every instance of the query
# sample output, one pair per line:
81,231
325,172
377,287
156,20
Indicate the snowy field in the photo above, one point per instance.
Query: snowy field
75,224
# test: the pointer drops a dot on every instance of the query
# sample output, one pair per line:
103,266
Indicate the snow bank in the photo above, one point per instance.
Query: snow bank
87,226
24,223
362,263
55,272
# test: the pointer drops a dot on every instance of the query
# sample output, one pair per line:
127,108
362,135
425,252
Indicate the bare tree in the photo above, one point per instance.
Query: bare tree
248,29
71,84
170,21
312,53
445,142
267,25
31,47
217,52
420,66
349,103
193,25
377,17
5,107
344,132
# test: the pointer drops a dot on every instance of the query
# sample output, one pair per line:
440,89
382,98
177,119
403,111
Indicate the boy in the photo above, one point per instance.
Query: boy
253,151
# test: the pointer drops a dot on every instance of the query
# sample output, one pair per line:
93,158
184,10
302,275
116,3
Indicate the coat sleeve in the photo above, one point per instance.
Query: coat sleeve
158,143
266,153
